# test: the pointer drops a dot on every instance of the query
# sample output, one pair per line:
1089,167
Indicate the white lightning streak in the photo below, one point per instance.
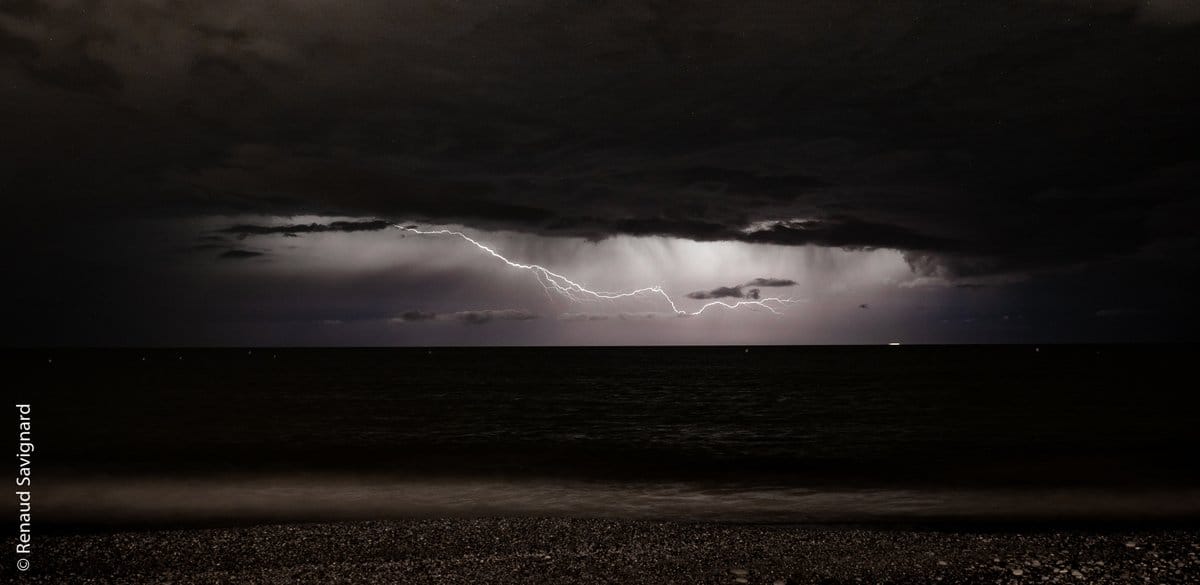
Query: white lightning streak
554,282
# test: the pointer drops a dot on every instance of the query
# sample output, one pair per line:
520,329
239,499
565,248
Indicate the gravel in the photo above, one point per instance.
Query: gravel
548,550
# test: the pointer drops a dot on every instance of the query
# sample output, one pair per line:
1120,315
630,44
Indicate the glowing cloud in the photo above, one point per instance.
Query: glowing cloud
555,283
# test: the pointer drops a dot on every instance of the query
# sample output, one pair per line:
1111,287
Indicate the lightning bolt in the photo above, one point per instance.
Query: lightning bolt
555,283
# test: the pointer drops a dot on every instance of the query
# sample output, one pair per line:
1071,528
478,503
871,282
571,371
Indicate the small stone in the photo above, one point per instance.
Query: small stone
739,572
1018,572
942,563
1036,563
779,582
741,580
1075,573
1130,544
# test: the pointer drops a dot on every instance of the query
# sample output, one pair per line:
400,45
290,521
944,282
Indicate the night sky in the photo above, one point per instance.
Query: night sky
231,173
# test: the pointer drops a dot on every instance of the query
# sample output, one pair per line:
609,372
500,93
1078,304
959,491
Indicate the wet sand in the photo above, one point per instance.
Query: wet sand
533,550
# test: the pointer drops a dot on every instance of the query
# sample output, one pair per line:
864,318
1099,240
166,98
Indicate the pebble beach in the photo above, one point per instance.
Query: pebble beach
554,550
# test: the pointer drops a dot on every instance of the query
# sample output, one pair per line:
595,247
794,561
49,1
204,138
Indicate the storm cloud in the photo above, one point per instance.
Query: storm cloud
989,142
769,282
239,254
479,317
601,119
292,230
747,290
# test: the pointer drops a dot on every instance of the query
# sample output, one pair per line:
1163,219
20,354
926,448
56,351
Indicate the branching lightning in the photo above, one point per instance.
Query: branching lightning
555,283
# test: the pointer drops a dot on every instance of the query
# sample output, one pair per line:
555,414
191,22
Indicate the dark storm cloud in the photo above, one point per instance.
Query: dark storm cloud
239,254
468,317
746,290
992,142
847,232
412,316
481,317
293,230
769,282
721,292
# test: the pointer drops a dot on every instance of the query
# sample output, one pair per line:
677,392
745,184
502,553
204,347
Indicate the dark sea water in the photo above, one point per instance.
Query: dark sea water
1008,433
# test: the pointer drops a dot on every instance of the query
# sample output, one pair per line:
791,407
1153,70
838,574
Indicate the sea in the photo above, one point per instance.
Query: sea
1020,434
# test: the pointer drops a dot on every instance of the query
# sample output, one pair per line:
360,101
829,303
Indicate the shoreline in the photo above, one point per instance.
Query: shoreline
569,550
239,500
